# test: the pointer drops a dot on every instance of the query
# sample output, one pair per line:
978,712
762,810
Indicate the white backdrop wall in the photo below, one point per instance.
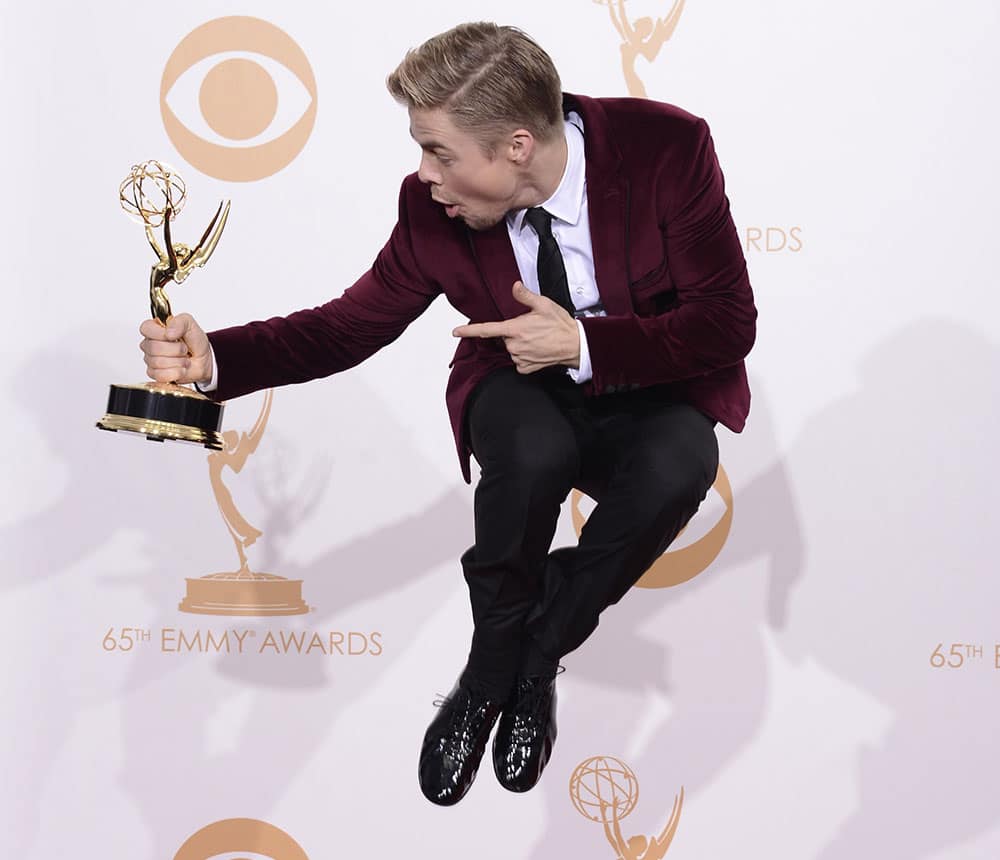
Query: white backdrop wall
790,688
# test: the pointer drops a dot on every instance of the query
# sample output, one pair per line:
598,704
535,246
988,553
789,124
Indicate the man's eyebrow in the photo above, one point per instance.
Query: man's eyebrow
429,144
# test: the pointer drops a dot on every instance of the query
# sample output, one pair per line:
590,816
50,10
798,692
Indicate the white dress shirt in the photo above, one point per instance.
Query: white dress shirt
571,228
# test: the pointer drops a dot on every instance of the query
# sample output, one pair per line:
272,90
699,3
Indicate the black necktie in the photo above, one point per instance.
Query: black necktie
551,270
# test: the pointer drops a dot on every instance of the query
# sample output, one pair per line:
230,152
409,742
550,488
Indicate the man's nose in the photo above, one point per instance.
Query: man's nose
426,172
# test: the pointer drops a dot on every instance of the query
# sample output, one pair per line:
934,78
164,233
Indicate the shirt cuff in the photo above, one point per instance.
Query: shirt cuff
213,383
585,371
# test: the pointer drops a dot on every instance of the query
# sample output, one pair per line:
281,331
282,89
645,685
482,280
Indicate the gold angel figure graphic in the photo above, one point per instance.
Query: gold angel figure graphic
238,447
643,37
640,847
244,592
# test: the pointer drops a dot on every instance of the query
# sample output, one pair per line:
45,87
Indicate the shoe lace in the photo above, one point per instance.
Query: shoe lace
538,699
465,691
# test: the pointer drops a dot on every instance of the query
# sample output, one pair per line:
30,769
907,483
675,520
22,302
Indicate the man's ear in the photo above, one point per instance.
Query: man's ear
521,146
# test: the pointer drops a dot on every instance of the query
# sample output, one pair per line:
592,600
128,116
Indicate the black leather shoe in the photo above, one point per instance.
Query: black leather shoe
526,734
454,743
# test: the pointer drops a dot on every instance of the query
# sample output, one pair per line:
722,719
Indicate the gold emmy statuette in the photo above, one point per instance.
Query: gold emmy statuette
156,194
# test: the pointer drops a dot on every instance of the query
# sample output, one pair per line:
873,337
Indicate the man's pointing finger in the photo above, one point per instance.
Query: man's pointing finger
494,329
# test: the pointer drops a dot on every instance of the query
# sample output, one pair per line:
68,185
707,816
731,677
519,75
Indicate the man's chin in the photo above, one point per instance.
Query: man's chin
479,223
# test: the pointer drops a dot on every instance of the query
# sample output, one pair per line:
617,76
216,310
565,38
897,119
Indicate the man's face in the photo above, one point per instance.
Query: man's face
469,183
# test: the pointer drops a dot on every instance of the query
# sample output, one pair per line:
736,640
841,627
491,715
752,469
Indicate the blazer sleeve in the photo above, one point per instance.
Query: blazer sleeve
335,336
713,324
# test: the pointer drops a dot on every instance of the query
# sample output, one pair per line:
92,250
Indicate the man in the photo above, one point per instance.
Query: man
589,243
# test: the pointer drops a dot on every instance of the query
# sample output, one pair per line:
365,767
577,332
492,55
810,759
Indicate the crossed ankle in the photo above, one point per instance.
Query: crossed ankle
536,665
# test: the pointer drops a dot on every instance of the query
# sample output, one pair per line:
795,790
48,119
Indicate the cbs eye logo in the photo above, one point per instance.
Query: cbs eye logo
694,549
238,98
241,839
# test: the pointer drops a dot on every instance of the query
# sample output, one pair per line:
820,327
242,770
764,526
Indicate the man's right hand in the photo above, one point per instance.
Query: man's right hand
177,352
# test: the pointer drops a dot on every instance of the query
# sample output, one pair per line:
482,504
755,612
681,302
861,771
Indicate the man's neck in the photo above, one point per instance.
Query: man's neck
542,177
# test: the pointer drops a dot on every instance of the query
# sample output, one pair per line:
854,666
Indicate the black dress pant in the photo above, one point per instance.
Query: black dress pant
647,461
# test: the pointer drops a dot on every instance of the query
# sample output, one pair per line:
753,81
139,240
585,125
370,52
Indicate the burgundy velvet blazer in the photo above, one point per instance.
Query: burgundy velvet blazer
669,266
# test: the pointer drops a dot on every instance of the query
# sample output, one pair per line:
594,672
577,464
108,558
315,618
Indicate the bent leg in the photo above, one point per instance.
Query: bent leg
660,462
528,454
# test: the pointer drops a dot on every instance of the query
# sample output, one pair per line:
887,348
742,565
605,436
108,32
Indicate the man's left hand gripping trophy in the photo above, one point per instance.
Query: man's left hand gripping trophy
156,194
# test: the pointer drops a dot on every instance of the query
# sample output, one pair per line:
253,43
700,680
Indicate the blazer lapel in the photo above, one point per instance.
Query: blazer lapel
607,205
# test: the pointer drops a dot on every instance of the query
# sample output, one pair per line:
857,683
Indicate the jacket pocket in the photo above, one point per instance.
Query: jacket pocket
656,280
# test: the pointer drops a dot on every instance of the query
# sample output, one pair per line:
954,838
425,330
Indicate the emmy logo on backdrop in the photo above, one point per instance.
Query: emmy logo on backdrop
605,790
154,194
243,591
642,37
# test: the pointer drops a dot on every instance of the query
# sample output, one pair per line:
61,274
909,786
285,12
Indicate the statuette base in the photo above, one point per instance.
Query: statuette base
164,411
244,593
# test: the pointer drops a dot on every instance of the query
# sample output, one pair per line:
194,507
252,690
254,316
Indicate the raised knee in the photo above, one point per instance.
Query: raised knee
674,482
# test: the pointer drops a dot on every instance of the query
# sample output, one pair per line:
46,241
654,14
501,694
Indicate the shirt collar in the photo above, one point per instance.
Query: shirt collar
566,204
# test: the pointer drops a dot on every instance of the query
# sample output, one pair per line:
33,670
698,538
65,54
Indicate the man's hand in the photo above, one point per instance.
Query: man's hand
543,337
177,352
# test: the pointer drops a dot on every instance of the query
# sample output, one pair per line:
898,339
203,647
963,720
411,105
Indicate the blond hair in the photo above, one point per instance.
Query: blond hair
489,79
